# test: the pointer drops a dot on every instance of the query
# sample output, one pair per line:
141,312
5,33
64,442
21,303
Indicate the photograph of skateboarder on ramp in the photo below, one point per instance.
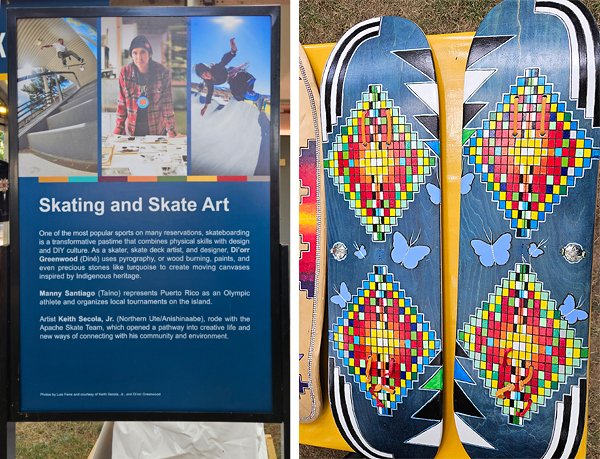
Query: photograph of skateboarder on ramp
230,97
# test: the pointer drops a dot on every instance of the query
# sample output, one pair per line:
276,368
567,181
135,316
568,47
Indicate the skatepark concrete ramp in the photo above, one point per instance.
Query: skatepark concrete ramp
229,139
69,134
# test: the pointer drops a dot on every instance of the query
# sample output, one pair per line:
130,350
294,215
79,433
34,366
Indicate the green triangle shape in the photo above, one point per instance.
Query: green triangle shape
436,382
467,133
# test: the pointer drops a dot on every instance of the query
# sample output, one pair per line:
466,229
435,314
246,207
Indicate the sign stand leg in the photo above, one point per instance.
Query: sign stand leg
9,442
285,340
7,431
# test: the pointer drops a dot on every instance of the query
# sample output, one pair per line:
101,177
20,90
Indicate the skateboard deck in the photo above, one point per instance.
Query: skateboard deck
312,244
380,125
78,64
530,163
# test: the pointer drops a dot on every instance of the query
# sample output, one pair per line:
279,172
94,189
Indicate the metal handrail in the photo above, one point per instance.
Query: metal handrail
28,111
36,75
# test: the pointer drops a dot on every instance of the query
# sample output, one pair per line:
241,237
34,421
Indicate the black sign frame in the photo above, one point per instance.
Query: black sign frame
279,360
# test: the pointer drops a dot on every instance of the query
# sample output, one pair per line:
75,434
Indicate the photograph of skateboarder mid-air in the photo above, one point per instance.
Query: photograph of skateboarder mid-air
240,81
230,103
63,53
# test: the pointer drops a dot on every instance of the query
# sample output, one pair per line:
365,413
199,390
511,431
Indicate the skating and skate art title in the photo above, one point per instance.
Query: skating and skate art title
153,204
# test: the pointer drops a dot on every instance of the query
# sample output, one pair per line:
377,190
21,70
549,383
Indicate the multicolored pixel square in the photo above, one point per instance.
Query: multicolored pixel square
521,346
378,163
529,152
383,340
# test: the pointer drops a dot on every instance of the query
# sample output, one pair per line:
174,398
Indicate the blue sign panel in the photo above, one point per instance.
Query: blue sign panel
145,295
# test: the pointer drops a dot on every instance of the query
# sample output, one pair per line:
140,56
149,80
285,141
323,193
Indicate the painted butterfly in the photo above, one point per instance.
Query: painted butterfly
342,297
465,183
408,255
493,253
360,252
570,312
434,192
535,250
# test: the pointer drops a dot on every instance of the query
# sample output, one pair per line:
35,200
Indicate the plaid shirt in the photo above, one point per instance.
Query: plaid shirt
161,117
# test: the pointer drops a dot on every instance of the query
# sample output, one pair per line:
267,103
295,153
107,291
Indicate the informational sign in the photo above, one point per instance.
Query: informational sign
144,250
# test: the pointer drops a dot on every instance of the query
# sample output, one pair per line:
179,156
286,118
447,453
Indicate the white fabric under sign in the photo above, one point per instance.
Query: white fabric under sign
188,440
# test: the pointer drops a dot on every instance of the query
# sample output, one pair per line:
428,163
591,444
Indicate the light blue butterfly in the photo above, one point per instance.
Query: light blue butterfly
342,297
493,253
434,192
408,255
465,183
360,252
535,250
570,312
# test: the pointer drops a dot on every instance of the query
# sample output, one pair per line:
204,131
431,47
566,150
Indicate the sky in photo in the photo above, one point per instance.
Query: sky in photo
210,40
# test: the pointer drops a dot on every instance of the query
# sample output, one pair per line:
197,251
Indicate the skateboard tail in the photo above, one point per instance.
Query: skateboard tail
584,39
332,83
342,407
569,423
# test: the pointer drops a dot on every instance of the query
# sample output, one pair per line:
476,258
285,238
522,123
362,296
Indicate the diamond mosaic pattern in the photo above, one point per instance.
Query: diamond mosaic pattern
521,346
528,173
378,170
383,341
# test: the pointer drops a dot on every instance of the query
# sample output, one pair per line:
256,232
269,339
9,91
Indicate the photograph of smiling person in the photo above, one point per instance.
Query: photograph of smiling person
145,105
144,57
144,100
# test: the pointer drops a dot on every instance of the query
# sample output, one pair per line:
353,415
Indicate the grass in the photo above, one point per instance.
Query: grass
593,442
325,21
56,440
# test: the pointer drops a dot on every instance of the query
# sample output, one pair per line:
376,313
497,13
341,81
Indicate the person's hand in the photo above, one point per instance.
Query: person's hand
232,43
203,111
173,134
42,47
